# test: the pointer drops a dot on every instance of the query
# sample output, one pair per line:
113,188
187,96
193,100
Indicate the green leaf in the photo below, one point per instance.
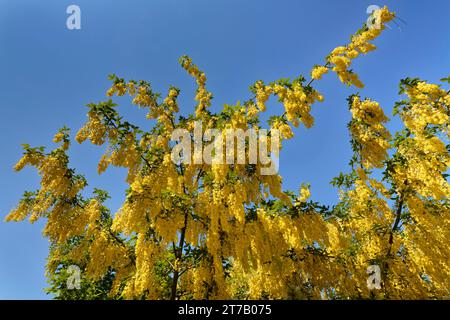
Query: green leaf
446,79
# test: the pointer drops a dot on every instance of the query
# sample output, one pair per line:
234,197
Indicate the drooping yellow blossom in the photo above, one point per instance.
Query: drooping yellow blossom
318,72
340,59
368,131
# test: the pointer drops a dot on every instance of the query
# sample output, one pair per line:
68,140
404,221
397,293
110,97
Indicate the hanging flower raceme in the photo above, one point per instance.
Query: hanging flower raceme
423,149
340,59
203,96
370,137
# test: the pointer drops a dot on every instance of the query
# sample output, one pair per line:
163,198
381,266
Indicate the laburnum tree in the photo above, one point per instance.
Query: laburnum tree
225,231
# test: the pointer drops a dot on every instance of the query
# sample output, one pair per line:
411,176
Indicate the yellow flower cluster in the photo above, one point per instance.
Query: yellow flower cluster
94,130
57,188
29,158
296,99
340,58
203,96
144,99
297,103
171,100
429,106
284,128
427,160
318,71
62,137
144,278
58,137
368,131
305,193
142,95
263,93
425,153
119,88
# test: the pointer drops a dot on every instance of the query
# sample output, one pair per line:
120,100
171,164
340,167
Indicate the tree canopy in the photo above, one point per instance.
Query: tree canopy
224,230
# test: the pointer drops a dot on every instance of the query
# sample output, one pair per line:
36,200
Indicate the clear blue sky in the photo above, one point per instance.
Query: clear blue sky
48,74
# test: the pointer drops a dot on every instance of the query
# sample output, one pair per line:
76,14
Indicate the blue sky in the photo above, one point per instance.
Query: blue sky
48,73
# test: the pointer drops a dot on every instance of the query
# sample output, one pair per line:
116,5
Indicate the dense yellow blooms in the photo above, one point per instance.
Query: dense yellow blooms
429,106
425,153
305,194
94,130
318,72
340,59
262,95
203,96
224,230
368,132
284,128
297,103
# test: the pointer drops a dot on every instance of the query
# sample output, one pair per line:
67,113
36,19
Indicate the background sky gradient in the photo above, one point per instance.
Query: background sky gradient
48,73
